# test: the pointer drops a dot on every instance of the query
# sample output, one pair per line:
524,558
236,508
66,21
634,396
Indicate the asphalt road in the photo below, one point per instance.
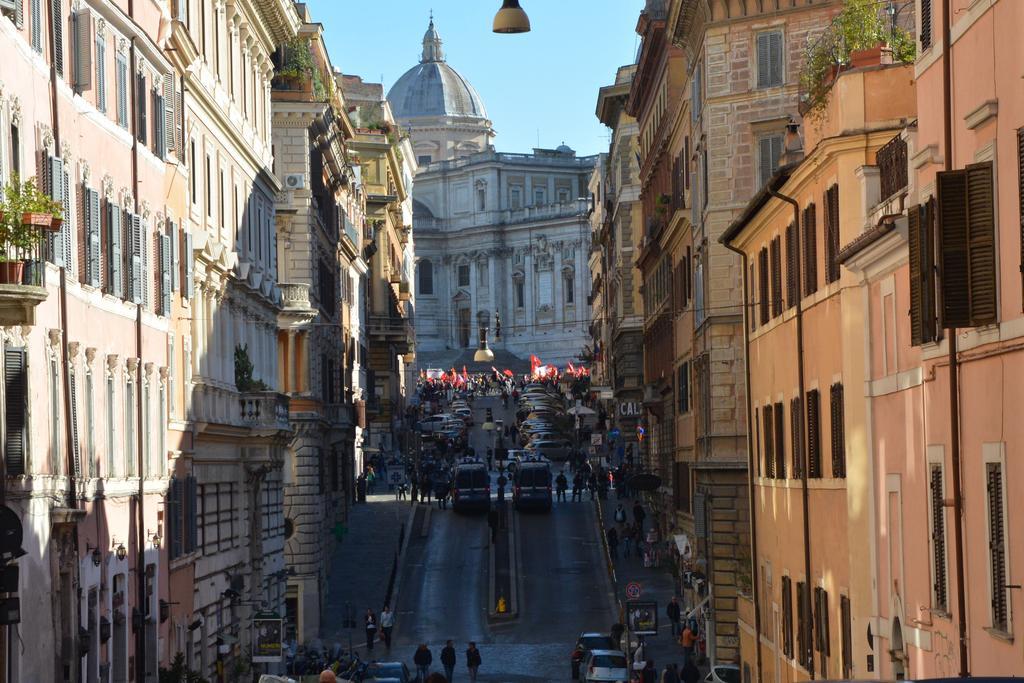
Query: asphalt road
564,589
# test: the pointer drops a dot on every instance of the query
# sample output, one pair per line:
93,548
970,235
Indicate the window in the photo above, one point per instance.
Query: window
101,72
966,215
804,625
563,196
147,430
129,428
763,273
209,187
926,24
780,442
520,298
832,234
181,508
111,426
481,198
15,410
792,265
769,442
787,616
997,547
90,424
821,627
426,277
921,256
696,93
463,275
55,418
193,170
515,198
570,287
481,274
846,621
796,426
810,250
813,434
121,85
769,59
73,431
838,432
757,441
140,108
681,486
683,388
940,599
776,259
539,196
36,10
423,160
769,150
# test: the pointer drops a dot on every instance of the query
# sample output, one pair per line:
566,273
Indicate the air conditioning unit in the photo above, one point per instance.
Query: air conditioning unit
295,181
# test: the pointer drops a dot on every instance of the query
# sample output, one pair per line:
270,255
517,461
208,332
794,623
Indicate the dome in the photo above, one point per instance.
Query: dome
432,88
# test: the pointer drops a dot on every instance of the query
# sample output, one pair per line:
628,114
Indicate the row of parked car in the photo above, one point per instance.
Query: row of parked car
545,428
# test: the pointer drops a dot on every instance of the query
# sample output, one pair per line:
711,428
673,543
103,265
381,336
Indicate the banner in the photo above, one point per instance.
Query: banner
267,644
642,617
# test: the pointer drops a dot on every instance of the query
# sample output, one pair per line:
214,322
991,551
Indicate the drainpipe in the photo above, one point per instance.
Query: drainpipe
751,499
803,406
954,363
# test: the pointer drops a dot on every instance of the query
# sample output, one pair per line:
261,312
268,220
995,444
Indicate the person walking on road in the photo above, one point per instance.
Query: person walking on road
620,515
371,629
670,674
387,624
690,672
422,659
613,542
674,615
577,487
638,516
473,661
448,660
561,484
687,639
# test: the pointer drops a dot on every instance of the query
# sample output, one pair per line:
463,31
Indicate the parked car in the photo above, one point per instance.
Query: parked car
396,672
552,450
605,665
723,673
471,486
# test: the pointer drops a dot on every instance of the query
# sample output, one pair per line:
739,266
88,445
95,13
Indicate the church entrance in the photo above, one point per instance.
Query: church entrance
463,328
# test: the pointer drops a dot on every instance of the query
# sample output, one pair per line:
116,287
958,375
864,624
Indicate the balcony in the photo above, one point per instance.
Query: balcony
264,411
404,291
891,159
295,296
23,251
388,330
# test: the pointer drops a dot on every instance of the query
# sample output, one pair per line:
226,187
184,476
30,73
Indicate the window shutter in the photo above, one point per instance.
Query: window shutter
832,234
939,584
57,26
15,408
810,264
171,512
997,546
64,236
838,432
764,56
775,49
101,73
757,441
168,118
1020,195
172,231
19,13
192,507
813,434
121,84
83,49
159,116
35,9
821,643
918,333
780,442
165,274
796,426
776,255
146,278
115,257
140,107
926,24
76,448
981,243
792,284
762,265
805,630
846,620
189,267
92,226
769,442
951,193
765,159
752,306
179,138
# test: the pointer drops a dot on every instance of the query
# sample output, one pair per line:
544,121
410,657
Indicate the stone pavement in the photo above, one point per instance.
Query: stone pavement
360,567
656,584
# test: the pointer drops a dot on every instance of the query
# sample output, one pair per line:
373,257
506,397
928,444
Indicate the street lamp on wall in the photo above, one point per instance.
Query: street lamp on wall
511,18
483,353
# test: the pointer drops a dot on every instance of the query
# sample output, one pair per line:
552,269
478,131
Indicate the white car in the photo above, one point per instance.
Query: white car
605,665
723,673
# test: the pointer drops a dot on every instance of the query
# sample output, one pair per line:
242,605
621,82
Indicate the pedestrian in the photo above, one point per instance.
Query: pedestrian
576,661
327,676
690,672
492,522
687,639
577,487
674,614
415,484
592,485
428,488
613,542
371,629
441,492
638,516
422,659
387,624
649,673
490,458
448,660
473,661
627,540
670,674
620,515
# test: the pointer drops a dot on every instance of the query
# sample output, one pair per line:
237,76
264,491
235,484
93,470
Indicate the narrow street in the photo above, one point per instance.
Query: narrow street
564,589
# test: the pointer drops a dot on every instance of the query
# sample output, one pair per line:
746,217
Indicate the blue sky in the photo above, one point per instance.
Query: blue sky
545,80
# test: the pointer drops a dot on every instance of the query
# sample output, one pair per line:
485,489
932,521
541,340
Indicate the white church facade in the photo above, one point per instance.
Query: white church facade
498,235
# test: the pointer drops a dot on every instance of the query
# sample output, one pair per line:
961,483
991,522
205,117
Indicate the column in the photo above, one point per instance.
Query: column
531,308
557,289
583,283
474,337
510,298
229,337
198,331
290,366
492,289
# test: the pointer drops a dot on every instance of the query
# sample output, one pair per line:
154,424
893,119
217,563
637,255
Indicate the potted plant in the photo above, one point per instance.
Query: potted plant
25,211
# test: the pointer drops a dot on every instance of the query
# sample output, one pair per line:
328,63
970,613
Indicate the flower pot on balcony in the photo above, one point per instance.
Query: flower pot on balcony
43,221
871,56
11,272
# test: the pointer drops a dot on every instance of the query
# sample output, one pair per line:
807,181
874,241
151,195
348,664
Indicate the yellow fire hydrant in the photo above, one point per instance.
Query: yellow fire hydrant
502,607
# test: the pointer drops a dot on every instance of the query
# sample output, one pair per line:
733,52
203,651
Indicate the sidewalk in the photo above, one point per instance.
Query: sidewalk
360,567
656,584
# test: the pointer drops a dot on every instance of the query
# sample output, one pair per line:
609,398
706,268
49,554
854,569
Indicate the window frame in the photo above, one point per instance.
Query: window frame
771,80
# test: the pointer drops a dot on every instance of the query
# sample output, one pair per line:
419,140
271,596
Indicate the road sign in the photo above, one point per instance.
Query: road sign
632,590
595,439
614,434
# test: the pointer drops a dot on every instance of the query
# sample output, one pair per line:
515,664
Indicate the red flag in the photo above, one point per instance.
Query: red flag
534,363
572,370
509,373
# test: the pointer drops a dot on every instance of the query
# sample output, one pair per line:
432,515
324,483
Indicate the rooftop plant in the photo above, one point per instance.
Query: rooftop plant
20,198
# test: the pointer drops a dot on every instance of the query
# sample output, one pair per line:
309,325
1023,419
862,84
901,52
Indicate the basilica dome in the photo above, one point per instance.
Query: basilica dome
432,88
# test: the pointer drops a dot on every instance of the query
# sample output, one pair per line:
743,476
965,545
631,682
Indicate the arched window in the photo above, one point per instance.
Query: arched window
426,277
570,287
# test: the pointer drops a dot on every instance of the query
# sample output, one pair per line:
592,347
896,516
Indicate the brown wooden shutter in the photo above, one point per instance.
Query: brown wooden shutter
810,250
914,246
813,434
796,421
780,442
1020,196
776,256
787,616
846,619
997,546
757,441
792,263
838,432
821,624
769,443
752,306
805,625
762,266
981,243
832,234
926,24
939,584
951,193
15,410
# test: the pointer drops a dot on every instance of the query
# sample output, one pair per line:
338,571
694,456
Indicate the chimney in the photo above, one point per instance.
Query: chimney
792,145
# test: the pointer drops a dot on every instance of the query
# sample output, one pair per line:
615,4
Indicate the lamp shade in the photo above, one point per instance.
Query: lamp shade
511,18
483,352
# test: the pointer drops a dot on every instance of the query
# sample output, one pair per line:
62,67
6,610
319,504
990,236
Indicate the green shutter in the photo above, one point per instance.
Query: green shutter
57,26
15,409
115,253
165,274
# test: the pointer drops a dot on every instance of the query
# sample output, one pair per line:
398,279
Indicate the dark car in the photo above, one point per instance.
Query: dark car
532,485
471,486
387,671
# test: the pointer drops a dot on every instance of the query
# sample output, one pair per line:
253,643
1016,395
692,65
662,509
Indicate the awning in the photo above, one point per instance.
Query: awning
699,605
683,545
